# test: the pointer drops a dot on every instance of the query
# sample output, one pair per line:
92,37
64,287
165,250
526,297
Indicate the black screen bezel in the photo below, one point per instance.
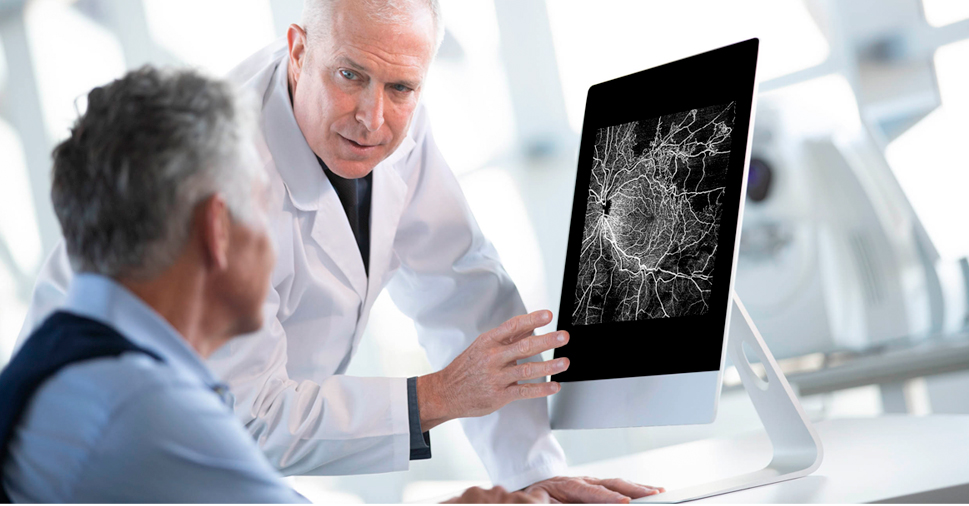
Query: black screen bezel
684,344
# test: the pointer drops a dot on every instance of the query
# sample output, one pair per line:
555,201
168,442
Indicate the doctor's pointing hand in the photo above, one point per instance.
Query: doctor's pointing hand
362,201
485,376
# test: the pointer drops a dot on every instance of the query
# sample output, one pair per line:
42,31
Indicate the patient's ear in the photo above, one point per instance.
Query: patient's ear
213,223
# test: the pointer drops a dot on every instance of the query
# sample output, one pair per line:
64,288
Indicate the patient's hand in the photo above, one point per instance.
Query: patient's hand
592,490
498,495
485,376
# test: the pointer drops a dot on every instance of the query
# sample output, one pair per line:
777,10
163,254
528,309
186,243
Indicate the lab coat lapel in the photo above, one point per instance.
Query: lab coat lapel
331,230
306,184
389,196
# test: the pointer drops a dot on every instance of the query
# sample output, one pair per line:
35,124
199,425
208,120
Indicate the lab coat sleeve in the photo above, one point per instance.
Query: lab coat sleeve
50,291
451,282
341,425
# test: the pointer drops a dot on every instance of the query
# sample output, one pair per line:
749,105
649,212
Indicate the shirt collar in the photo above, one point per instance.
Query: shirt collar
292,156
101,298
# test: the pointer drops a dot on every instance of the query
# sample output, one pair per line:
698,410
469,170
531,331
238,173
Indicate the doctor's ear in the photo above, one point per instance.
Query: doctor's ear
213,226
296,37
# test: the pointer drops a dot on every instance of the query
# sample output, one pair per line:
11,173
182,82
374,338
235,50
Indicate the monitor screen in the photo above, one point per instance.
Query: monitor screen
654,218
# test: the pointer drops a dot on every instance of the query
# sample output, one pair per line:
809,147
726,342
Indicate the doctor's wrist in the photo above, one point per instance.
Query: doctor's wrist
431,401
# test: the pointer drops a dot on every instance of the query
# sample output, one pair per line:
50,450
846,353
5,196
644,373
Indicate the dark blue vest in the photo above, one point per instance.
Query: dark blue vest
63,339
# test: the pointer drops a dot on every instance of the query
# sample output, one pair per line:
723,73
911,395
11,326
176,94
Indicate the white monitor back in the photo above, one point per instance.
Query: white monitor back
669,399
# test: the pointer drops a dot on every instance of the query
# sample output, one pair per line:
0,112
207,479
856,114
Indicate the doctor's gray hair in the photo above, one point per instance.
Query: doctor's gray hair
149,148
316,14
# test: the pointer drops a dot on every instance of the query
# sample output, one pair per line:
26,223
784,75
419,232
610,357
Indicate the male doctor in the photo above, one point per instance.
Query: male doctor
363,201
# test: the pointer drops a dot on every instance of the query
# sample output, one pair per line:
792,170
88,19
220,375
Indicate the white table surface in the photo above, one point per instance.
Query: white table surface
917,459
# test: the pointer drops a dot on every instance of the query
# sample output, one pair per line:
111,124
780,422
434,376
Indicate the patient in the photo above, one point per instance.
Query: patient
161,203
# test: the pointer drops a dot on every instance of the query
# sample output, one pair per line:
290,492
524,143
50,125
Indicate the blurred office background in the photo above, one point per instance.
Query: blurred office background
854,245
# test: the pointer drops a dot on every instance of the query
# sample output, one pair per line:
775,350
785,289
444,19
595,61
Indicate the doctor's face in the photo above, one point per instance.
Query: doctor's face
355,89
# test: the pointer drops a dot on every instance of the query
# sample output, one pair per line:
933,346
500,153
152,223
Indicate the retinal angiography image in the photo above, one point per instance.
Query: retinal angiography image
649,241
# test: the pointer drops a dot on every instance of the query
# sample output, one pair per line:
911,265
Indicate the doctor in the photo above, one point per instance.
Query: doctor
363,201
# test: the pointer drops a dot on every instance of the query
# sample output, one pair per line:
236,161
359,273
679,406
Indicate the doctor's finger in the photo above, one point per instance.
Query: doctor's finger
532,390
533,345
535,370
627,488
578,490
520,326
537,496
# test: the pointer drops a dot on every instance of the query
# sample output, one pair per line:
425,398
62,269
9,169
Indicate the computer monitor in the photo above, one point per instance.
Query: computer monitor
653,242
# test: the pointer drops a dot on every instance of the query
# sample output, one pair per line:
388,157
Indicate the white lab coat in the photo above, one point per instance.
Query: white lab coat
425,247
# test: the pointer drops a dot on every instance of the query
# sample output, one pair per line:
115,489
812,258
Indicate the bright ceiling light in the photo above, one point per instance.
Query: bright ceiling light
945,12
598,41
82,55
929,159
186,29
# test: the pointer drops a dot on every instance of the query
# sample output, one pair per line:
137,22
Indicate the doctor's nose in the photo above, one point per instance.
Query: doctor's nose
370,110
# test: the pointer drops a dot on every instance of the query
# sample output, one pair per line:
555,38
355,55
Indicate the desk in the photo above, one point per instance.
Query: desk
886,459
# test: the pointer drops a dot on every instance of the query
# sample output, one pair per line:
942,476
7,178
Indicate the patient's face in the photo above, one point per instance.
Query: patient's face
251,259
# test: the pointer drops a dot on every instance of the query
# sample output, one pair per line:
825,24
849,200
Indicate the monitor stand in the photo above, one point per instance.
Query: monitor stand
797,448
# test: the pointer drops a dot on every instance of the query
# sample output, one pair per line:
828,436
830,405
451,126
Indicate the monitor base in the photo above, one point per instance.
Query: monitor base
797,448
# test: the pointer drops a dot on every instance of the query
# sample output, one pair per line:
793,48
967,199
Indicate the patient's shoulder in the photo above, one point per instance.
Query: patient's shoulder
106,383
92,392
67,417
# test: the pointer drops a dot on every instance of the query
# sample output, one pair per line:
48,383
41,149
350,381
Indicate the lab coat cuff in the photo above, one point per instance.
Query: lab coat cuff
533,475
420,441
401,423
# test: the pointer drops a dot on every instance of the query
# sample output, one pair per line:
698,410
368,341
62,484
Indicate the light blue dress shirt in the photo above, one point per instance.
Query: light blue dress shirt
131,428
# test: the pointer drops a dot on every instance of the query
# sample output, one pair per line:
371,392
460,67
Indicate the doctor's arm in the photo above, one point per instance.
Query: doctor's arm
50,290
339,424
452,284
335,425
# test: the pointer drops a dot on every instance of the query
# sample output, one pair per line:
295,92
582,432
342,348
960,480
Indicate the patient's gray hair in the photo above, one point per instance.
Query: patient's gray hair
150,147
316,14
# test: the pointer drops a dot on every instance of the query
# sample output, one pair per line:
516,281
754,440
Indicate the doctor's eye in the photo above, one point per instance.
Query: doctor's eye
348,74
400,88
